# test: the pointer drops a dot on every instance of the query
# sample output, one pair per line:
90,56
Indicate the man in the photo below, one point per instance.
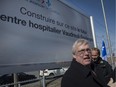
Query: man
79,73
102,68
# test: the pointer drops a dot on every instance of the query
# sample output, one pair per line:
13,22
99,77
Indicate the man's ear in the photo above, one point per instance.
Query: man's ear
74,56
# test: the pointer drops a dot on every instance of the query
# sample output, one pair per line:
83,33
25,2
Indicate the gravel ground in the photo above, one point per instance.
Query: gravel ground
56,83
49,83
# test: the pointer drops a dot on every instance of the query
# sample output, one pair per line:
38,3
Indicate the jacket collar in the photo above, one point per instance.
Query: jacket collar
85,70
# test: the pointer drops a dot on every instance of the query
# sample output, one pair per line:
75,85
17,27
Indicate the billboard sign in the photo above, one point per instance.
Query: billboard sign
38,34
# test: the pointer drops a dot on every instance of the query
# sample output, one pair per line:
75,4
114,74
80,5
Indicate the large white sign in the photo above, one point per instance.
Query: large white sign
38,34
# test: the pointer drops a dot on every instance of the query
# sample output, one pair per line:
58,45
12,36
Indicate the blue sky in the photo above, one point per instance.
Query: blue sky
94,8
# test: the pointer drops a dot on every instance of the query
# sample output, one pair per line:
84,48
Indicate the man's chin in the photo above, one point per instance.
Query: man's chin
87,62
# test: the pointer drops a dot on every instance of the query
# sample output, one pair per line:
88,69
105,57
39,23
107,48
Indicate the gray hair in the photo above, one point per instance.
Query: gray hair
78,43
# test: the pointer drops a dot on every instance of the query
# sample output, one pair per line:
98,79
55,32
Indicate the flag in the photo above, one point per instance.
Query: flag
104,53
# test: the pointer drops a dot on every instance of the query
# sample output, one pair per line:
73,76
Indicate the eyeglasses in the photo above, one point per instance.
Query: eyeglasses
82,51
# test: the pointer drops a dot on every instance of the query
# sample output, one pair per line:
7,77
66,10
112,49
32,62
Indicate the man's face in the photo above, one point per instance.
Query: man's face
94,55
83,54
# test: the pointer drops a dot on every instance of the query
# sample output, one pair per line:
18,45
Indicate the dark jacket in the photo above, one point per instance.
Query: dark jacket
80,76
114,74
103,69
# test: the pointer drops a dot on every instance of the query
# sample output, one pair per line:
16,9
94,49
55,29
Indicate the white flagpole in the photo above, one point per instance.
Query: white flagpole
107,33
93,32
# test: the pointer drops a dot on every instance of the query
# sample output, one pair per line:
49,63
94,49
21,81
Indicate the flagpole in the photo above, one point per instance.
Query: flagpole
107,33
93,32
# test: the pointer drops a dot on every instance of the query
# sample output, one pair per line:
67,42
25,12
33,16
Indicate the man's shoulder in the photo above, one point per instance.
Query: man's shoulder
103,61
105,64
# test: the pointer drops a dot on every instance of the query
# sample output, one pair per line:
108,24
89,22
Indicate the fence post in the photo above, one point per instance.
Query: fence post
15,80
43,79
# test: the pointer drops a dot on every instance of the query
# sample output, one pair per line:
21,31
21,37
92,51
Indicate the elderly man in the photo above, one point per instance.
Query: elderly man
80,73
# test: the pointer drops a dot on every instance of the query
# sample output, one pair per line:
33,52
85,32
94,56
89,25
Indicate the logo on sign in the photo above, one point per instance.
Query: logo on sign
46,3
